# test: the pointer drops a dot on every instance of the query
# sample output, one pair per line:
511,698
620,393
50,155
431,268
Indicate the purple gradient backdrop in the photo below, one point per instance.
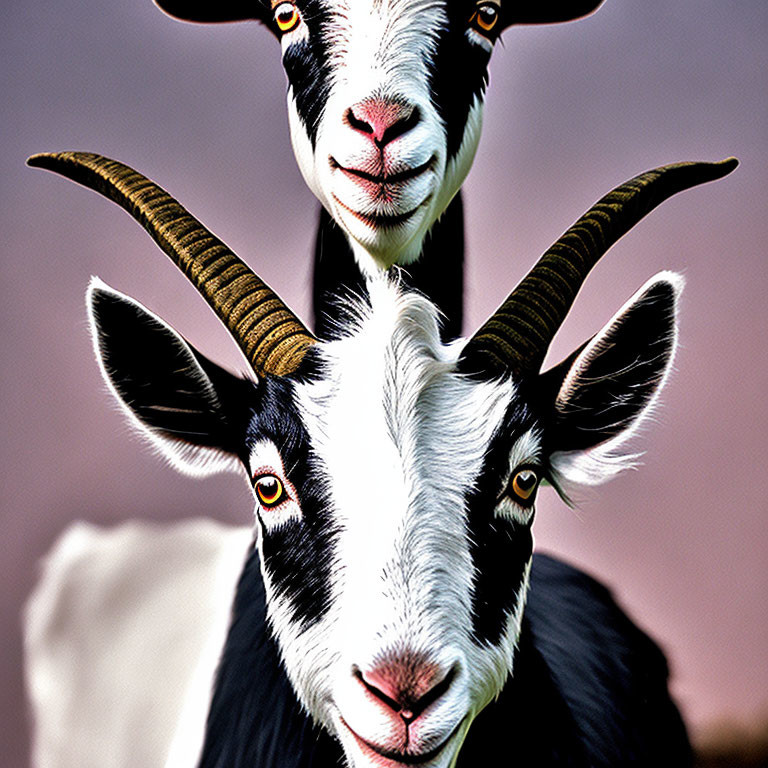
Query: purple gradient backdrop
573,110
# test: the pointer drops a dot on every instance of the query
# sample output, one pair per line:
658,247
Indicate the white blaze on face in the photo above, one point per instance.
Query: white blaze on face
371,132
401,438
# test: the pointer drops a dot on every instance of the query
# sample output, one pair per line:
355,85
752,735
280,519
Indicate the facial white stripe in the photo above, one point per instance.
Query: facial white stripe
401,437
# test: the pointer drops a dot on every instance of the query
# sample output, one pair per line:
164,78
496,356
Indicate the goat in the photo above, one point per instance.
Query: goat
380,612
385,101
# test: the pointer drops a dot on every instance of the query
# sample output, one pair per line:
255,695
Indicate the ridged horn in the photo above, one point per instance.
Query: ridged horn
516,337
273,339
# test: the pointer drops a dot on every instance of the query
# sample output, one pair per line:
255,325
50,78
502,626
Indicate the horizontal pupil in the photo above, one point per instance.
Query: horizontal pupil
487,17
286,16
269,490
526,480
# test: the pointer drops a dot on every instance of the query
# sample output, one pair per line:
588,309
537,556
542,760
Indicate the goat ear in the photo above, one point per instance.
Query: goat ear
547,11
611,384
211,11
171,393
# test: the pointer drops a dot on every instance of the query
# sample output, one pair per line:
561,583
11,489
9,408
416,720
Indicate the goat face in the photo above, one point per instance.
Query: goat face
394,496
394,476
385,101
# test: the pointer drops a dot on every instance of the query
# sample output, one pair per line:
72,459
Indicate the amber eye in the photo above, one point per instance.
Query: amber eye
270,490
485,18
286,16
522,487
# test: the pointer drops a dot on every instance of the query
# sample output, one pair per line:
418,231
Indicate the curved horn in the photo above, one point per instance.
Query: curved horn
273,339
516,337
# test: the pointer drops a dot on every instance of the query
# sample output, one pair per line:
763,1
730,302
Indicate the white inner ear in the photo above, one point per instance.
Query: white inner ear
599,464
199,461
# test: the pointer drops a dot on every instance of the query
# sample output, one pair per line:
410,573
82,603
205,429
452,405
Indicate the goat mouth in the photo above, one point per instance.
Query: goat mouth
382,180
402,758
382,221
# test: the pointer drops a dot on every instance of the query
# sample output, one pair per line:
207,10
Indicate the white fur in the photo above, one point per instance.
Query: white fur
377,51
401,438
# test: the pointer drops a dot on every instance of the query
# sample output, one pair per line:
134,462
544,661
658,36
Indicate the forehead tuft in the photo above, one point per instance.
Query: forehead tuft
382,33
391,408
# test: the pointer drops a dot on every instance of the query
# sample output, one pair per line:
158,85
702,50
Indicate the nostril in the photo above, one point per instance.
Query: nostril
404,688
402,126
357,123
377,691
384,120
430,696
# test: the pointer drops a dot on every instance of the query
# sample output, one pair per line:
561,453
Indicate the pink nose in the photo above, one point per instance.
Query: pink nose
406,684
383,120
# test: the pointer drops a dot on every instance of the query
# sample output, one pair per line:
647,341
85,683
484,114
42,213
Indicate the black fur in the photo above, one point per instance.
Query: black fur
620,377
438,274
500,549
154,375
589,690
307,67
611,391
611,676
255,720
458,74
300,555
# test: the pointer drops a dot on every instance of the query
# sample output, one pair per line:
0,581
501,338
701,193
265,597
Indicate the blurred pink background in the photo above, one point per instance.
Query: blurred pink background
572,111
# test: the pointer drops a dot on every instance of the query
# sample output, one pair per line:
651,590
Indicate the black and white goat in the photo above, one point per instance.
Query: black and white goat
385,99
391,599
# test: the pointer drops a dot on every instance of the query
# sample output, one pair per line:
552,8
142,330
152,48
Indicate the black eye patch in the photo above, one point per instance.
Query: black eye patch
307,67
299,554
500,547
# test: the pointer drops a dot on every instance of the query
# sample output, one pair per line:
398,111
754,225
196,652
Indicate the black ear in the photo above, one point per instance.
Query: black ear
611,383
546,11
190,408
212,11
